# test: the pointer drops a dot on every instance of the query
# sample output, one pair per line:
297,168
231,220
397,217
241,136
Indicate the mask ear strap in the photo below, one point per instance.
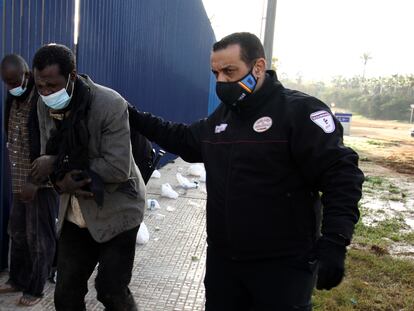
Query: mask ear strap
251,71
24,81
67,84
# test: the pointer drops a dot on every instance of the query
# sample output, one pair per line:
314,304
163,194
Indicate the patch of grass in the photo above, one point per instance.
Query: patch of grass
368,190
365,159
354,145
408,237
374,184
393,189
372,142
393,197
372,283
374,280
375,143
382,232
372,181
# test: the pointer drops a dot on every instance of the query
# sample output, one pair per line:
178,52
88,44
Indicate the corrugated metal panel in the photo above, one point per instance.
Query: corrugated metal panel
28,24
25,26
155,53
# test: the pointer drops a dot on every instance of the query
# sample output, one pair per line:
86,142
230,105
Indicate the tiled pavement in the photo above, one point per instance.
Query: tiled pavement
169,270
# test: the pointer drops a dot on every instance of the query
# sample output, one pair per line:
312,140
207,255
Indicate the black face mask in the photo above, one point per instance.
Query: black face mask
231,93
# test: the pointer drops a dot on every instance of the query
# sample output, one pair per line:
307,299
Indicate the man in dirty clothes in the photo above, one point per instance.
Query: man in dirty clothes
85,134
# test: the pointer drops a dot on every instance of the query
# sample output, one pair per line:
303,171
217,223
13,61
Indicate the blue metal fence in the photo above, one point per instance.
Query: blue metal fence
25,25
154,53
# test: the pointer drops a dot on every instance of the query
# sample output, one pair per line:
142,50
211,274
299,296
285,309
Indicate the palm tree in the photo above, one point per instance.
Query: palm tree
365,57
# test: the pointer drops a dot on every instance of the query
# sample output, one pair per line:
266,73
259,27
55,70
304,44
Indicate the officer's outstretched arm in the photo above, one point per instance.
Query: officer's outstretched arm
177,138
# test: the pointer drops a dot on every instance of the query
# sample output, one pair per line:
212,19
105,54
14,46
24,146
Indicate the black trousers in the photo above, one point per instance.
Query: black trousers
78,255
33,240
261,285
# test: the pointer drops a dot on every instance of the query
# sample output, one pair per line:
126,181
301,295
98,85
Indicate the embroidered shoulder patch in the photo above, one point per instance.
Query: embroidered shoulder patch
324,120
263,124
220,128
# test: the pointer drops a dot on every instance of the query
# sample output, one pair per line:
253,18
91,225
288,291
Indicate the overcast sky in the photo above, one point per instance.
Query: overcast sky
323,38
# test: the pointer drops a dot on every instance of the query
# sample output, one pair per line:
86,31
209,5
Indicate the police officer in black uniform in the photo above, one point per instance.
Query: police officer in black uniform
274,159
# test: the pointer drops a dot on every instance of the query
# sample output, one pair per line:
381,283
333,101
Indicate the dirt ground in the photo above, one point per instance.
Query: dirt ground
388,143
386,151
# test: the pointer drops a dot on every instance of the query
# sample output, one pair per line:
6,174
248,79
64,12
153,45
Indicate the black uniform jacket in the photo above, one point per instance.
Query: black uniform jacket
267,162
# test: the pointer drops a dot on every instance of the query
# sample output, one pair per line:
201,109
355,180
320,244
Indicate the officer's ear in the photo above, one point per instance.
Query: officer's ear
259,68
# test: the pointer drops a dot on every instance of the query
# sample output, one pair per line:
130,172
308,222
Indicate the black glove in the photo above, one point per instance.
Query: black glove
331,257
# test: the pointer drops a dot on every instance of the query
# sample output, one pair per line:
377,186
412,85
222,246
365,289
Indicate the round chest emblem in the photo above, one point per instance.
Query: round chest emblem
262,124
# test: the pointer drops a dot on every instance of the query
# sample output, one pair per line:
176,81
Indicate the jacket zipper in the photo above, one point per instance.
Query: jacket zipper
227,212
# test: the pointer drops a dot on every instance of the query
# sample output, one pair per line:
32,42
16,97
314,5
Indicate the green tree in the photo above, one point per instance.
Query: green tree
365,57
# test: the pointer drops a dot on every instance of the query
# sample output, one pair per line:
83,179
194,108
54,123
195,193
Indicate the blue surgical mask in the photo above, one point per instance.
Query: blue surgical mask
18,91
58,100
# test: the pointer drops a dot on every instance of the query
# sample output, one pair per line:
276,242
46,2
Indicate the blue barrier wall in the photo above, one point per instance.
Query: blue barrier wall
26,25
154,53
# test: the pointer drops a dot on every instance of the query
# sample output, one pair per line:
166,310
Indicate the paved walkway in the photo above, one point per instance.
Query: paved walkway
169,270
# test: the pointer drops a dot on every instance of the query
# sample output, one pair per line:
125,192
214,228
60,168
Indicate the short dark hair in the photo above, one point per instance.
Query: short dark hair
15,60
250,46
55,54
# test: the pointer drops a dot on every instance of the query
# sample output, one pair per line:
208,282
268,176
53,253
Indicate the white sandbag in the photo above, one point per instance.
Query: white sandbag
159,216
196,169
185,183
168,192
202,177
153,204
194,204
143,234
156,174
